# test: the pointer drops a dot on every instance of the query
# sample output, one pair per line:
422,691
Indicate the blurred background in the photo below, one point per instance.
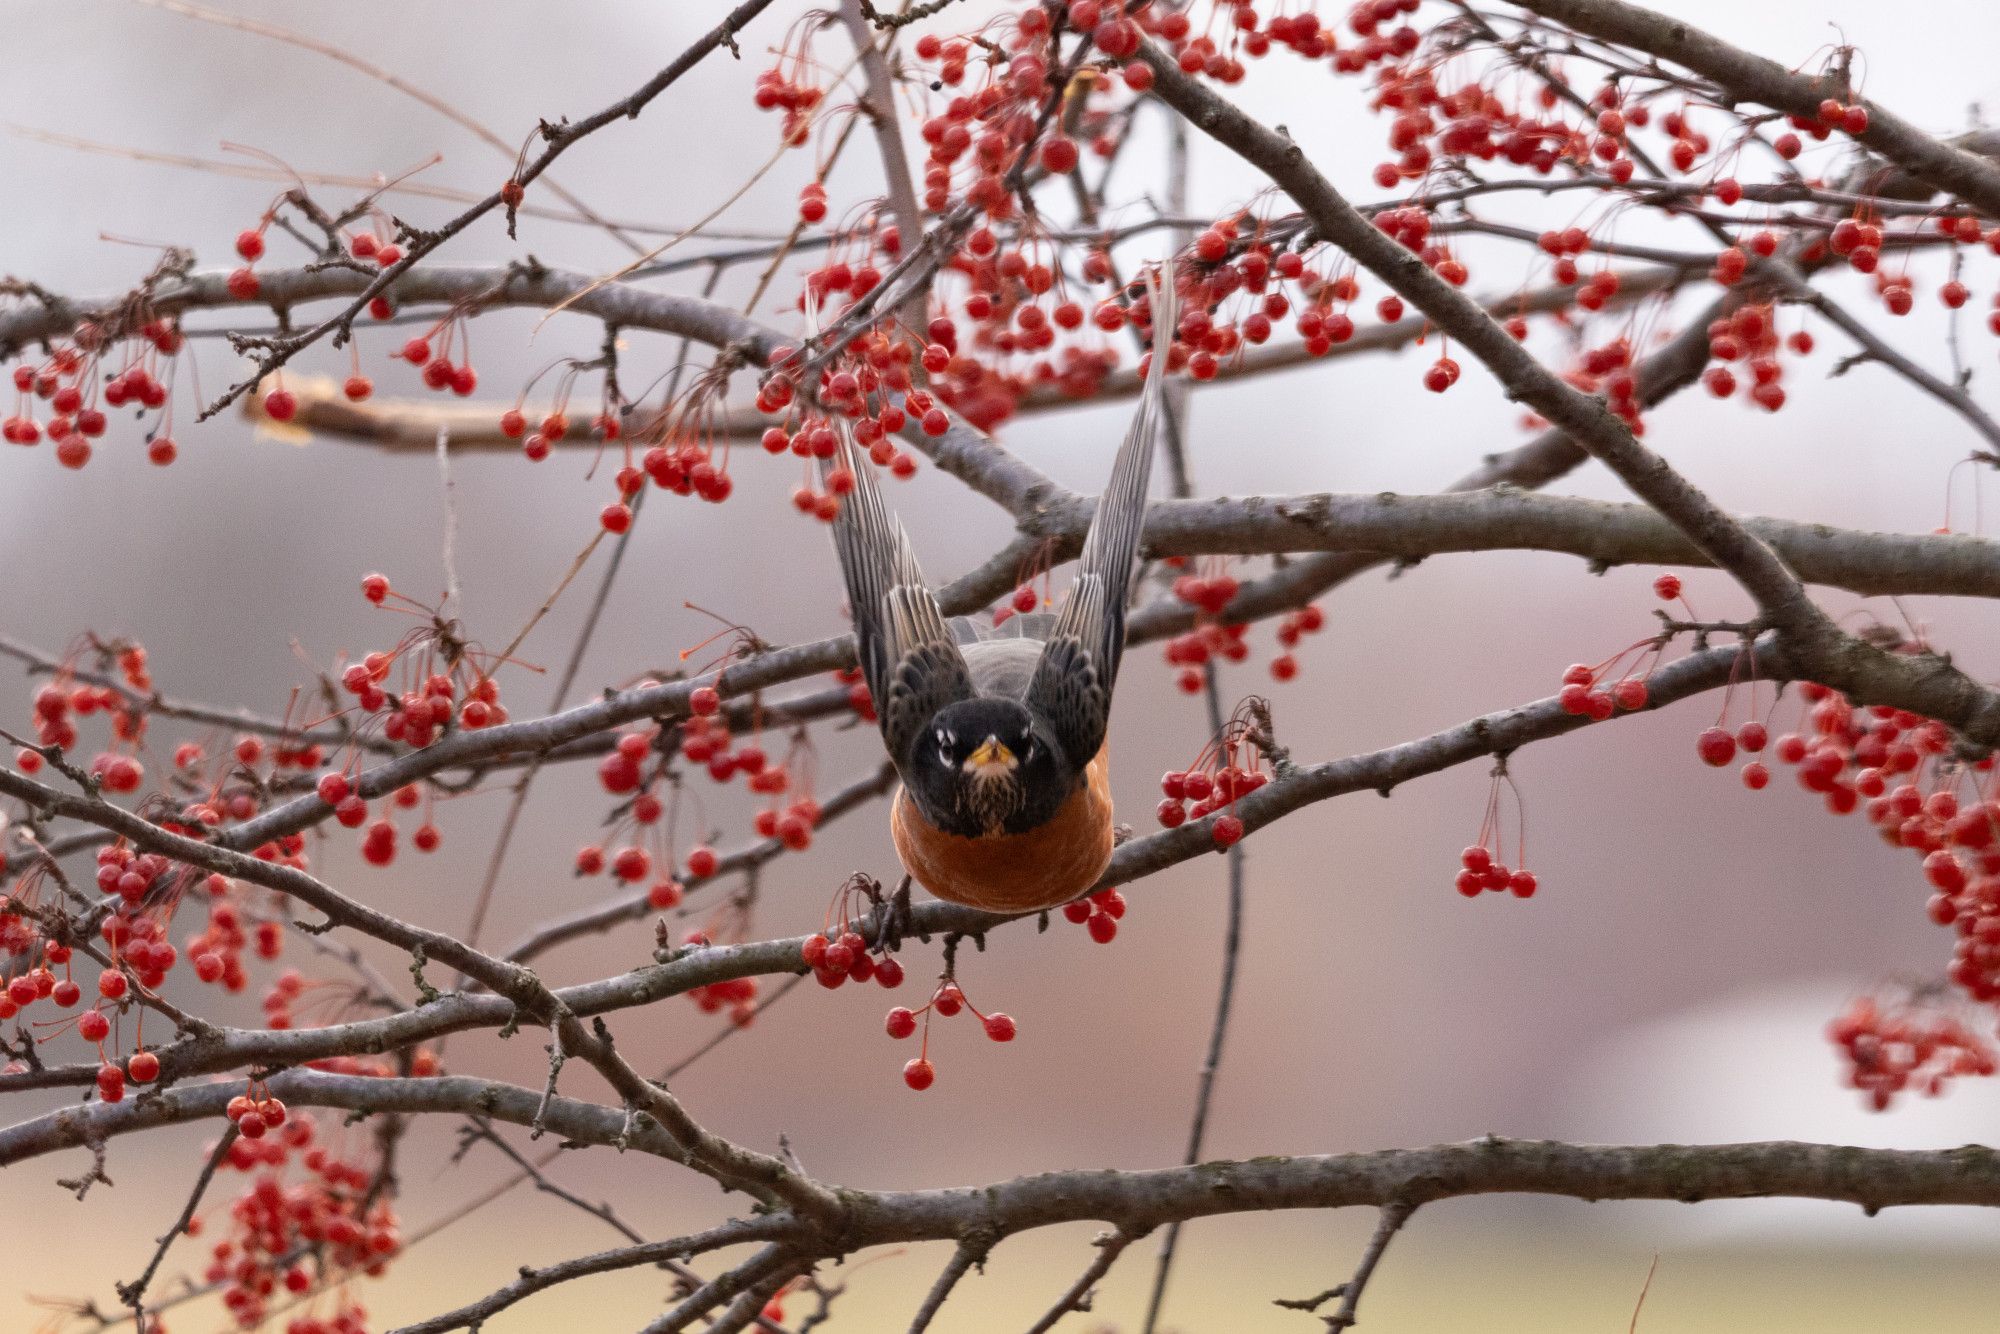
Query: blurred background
1671,980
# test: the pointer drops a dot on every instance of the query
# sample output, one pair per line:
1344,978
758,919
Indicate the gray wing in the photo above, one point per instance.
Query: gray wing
908,656
1073,680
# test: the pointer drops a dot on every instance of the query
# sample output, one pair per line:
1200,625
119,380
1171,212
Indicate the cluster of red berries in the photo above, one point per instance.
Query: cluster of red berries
1482,867
1892,766
1229,767
1835,116
439,371
553,427
1098,914
1749,335
1481,872
273,1225
1607,369
1209,792
244,284
622,771
945,1002
57,704
1211,638
688,468
779,90
737,995
417,716
845,957
1210,593
69,383
1583,691
216,952
55,709
1891,1048
378,840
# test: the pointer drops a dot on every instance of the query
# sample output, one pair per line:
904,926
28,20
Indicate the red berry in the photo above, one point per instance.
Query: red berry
1715,746
704,701
1000,1027
919,1074
900,1023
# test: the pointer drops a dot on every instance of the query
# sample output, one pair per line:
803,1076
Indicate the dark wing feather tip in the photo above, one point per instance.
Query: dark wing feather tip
1073,681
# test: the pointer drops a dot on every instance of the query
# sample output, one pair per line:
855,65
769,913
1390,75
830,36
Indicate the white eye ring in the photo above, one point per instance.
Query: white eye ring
944,755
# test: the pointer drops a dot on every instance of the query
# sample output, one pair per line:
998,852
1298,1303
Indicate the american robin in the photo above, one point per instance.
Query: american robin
999,736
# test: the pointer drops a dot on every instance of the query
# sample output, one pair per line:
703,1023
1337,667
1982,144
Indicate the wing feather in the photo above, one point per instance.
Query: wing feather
1073,681
908,655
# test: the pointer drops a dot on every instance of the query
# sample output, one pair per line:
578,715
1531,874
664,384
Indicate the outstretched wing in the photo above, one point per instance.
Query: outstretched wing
908,655
1072,684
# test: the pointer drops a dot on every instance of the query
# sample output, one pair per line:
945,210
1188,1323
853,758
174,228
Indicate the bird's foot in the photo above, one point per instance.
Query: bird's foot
892,917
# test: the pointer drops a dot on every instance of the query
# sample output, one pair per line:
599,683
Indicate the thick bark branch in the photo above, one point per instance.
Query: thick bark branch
1874,1179
1602,532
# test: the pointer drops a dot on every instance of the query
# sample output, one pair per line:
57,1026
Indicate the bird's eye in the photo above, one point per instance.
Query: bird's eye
944,752
1028,751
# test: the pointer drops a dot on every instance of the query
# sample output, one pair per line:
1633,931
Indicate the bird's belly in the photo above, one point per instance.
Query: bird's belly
1040,868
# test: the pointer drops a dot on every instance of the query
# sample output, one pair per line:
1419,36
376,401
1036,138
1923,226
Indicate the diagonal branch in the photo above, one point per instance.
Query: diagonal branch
1755,78
533,1280
1078,1297
1928,685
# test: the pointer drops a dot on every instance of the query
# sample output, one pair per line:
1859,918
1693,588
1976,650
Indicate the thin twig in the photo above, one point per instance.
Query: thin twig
1109,1248
970,1251
1390,1221
133,1294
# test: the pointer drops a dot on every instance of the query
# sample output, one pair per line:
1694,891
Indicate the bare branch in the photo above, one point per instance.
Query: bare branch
1393,1216
1754,78
1078,1298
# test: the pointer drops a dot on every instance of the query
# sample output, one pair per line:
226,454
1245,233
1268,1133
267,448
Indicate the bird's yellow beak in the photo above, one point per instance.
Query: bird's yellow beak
989,758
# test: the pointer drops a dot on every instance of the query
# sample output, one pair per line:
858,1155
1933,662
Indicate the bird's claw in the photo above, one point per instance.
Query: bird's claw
892,917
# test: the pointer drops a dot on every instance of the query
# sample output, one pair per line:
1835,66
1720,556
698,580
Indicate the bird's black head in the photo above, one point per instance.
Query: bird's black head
987,766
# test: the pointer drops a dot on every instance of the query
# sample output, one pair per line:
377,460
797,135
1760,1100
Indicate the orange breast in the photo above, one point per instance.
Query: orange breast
1042,868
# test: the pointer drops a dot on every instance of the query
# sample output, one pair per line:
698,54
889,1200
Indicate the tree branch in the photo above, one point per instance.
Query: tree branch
1749,77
